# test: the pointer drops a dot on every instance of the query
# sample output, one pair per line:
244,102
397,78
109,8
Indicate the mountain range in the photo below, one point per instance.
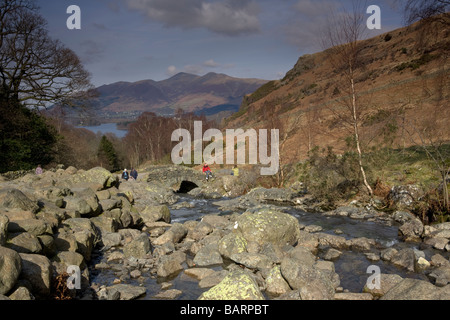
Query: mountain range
212,94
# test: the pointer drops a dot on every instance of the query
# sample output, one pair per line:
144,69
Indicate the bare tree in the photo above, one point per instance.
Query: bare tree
427,10
342,37
35,69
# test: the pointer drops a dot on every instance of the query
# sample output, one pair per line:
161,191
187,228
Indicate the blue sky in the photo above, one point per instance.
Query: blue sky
132,40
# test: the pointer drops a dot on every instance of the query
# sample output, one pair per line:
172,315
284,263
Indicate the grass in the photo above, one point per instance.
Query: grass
407,166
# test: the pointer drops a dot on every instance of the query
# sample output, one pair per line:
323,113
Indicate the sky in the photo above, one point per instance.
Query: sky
133,40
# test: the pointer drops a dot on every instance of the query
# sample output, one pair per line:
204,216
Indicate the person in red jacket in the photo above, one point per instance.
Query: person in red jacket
207,171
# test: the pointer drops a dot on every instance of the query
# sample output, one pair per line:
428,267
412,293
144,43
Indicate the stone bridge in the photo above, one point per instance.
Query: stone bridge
180,179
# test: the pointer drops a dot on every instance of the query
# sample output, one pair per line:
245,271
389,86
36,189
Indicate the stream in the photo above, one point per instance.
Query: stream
351,266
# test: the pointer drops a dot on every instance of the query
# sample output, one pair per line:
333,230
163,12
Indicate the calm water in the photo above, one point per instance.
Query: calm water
107,128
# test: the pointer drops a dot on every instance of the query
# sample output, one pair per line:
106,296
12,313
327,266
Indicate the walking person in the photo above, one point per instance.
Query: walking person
39,170
125,175
134,174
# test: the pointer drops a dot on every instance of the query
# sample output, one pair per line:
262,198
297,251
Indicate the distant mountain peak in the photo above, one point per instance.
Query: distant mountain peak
125,101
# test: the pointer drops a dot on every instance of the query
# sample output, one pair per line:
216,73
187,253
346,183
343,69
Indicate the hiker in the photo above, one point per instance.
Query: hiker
207,171
133,174
235,171
39,170
125,175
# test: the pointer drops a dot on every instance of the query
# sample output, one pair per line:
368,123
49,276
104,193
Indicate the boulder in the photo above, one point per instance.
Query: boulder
4,222
403,197
127,291
37,270
21,294
352,296
138,248
169,266
213,279
237,285
313,283
334,241
199,273
276,285
274,194
96,177
208,256
201,230
303,255
24,243
32,226
85,234
10,269
411,230
266,225
168,294
65,241
402,216
252,260
361,244
105,224
155,213
404,258
174,235
414,289
16,199
387,282
232,243
441,275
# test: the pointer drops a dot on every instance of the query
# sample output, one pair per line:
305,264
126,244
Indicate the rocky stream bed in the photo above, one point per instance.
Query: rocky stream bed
170,235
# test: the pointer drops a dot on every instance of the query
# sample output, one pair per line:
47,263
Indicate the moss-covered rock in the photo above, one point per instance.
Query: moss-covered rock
231,244
237,285
265,225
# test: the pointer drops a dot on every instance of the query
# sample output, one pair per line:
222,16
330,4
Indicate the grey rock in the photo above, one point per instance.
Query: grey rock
16,199
252,260
128,292
266,225
139,247
313,283
414,289
4,222
174,235
232,243
208,256
37,270
411,230
24,243
10,269
21,294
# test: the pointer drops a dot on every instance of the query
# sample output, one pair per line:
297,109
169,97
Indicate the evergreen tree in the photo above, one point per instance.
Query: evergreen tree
26,139
107,155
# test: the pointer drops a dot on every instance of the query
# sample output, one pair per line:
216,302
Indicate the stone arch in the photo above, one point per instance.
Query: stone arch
186,186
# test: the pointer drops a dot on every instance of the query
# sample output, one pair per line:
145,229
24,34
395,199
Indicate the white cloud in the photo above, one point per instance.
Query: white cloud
211,64
171,71
228,17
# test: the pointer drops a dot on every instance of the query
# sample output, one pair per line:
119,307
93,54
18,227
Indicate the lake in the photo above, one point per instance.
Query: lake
106,128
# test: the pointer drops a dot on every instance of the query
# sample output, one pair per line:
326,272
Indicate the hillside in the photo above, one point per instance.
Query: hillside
212,93
402,83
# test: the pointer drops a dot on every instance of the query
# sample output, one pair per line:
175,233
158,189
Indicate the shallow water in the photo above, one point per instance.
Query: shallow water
351,266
